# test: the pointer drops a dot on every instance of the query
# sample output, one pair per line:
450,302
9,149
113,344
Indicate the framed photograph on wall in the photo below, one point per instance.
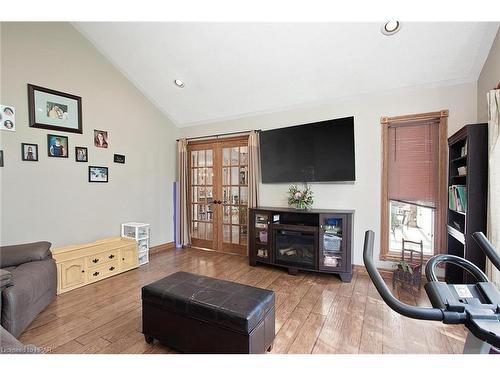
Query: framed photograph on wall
101,138
98,174
7,118
119,159
57,146
81,154
29,152
54,110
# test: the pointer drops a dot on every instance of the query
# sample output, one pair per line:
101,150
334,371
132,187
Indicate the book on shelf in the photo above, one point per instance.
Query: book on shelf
457,198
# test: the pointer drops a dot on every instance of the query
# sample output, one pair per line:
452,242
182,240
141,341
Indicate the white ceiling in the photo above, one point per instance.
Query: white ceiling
233,70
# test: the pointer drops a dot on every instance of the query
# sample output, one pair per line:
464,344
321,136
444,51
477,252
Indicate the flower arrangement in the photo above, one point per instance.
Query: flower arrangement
300,199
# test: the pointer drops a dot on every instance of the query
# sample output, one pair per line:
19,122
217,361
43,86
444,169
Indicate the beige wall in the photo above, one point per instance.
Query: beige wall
488,79
364,194
52,199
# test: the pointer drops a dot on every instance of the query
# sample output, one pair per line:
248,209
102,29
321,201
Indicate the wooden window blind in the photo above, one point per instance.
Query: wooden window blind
414,154
413,162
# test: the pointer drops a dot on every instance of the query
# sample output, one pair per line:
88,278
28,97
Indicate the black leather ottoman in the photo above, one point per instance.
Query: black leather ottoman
197,314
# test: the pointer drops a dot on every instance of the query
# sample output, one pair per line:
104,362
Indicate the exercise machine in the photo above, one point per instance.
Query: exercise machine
477,306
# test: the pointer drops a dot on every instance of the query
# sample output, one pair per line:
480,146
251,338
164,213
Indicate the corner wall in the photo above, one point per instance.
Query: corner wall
488,79
364,194
52,199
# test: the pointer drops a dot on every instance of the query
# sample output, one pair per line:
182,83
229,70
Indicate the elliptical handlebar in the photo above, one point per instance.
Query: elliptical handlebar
430,267
415,312
487,248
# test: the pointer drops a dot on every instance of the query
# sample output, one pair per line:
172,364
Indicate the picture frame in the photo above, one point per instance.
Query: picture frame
7,118
54,110
100,138
120,159
57,146
1,158
29,152
81,154
98,174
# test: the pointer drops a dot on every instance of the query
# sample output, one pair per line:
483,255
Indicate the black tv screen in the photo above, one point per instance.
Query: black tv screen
317,152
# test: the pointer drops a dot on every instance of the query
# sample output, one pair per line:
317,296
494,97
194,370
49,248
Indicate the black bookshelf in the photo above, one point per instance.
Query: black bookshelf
467,148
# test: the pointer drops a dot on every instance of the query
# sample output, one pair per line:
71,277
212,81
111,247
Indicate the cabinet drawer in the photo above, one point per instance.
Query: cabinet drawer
102,271
101,258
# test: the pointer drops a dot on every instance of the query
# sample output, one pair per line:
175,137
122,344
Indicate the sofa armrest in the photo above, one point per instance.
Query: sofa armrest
18,254
5,279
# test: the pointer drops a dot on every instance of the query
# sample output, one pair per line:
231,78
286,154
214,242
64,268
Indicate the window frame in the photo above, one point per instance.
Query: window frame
442,202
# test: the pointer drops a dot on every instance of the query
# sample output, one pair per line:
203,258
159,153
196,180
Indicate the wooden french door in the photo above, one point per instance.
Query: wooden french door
218,194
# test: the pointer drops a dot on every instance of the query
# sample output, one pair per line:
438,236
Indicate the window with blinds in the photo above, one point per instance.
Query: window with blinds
413,163
413,183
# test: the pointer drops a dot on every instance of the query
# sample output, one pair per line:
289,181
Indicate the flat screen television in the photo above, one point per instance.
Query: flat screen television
316,152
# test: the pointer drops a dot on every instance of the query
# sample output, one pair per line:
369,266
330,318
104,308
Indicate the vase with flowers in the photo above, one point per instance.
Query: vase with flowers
300,199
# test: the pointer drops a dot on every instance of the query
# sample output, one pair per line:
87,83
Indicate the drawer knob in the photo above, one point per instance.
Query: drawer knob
111,256
83,271
111,268
95,260
96,274
123,258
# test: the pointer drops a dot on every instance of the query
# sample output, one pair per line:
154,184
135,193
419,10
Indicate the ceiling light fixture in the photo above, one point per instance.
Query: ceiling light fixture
179,83
391,28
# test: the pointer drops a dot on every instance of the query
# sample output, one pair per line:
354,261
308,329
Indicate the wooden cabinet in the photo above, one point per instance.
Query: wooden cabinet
128,258
72,273
312,240
79,265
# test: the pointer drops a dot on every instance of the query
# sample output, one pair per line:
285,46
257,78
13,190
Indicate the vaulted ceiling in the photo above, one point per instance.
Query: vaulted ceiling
233,70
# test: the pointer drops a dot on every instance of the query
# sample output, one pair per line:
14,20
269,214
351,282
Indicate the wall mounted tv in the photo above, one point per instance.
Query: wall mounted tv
317,152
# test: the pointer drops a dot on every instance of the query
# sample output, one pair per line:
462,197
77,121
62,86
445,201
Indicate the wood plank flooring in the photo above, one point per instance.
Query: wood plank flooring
314,313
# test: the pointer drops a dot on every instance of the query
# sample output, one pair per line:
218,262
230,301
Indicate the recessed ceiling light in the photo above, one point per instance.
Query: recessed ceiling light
391,28
179,83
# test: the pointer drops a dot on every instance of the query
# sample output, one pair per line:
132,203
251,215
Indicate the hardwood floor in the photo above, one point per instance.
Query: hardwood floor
314,313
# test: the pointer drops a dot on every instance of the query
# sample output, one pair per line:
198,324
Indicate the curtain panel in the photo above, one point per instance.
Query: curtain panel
494,179
182,173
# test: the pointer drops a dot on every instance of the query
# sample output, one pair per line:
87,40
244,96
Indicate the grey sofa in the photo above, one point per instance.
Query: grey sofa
29,284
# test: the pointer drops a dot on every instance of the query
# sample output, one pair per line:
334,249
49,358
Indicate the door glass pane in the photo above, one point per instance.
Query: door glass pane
243,195
226,214
235,175
201,158
243,176
235,198
235,234
210,212
201,231
210,175
243,235
234,155
226,233
226,176
209,232
209,158
194,176
244,155
235,215
226,195
194,195
225,156
194,158
201,194
201,176
209,198
243,215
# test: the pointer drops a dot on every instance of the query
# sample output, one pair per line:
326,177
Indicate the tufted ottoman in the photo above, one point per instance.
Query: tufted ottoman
197,314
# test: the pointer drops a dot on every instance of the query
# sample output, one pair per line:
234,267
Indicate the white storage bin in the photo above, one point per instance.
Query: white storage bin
141,233
143,257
